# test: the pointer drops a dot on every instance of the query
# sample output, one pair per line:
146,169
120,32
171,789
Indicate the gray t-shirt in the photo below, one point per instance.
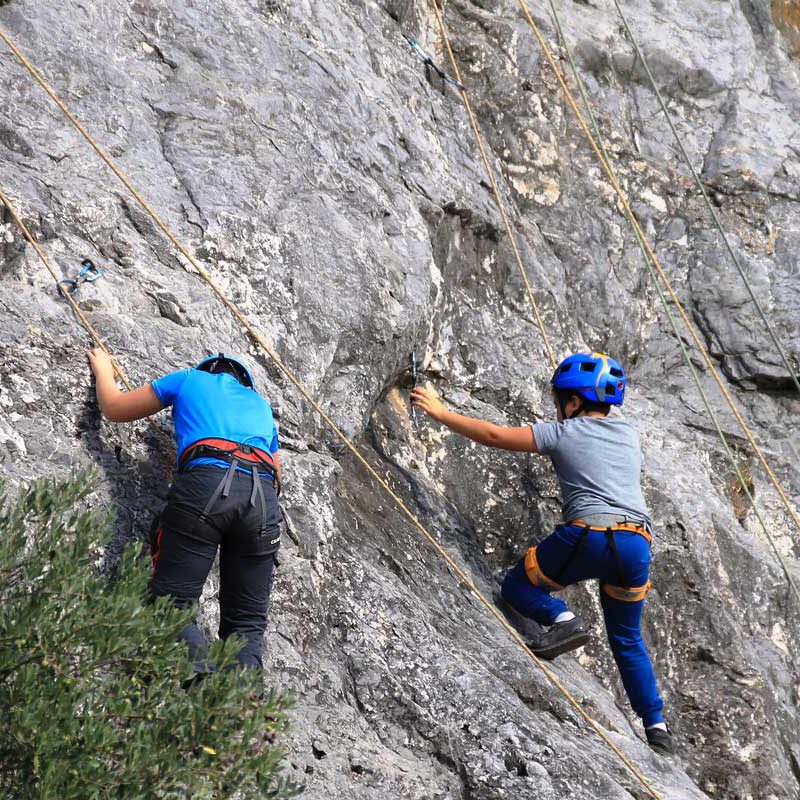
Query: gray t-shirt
598,462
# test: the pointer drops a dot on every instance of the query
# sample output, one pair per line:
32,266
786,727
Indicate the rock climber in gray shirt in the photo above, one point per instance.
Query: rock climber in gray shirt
606,532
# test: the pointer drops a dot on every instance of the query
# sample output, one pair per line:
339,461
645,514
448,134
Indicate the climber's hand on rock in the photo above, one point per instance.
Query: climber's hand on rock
426,399
100,362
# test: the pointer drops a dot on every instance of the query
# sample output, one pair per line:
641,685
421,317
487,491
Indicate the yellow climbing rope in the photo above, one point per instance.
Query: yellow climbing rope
120,373
639,232
496,192
67,296
267,348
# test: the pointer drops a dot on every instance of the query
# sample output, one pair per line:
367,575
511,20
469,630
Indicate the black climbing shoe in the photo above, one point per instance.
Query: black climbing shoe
527,627
661,741
560,638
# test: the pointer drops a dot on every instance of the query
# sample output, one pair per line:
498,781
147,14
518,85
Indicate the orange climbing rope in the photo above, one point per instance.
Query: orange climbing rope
267,348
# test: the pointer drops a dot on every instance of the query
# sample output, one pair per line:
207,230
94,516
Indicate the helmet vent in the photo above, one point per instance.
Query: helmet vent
587,366
617,373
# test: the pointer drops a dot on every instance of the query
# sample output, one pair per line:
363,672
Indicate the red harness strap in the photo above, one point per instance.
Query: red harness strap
225,449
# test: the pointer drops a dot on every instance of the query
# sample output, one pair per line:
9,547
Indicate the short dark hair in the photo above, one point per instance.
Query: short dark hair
228,368
225,366
563,396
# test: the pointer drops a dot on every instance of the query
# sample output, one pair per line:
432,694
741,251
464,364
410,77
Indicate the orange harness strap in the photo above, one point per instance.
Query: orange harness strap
535,574
632,594
622,526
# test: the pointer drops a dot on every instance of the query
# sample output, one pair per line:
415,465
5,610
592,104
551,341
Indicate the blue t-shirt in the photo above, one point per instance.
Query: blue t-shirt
206,406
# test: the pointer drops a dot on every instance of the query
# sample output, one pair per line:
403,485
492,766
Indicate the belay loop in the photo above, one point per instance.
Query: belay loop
89,273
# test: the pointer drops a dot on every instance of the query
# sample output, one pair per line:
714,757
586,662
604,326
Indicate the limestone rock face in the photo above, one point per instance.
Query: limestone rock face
332,186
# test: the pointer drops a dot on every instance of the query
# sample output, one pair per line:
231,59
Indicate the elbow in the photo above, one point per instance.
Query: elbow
493,436
112,412
110,415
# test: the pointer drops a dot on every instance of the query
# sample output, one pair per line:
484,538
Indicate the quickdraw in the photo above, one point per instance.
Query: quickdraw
414,417
89,273
427,60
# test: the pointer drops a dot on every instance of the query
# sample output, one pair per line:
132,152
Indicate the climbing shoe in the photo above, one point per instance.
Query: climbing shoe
560,638
661,741
527,627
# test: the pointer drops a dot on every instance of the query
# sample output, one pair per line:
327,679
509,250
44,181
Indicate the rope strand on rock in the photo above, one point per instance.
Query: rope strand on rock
120,373
496,192
653,259
674,325
259,339
706,199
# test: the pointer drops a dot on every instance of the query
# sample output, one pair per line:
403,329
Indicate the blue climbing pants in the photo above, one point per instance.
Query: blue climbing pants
559,561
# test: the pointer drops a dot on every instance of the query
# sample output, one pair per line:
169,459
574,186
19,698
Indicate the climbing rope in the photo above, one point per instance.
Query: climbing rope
652,263
496,192
259,339
659,269
673,323
704,193
67,294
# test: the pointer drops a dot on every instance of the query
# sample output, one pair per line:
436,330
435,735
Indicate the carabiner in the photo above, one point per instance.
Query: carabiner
89,273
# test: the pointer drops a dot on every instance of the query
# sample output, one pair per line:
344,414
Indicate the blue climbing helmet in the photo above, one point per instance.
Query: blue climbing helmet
222,363
595,376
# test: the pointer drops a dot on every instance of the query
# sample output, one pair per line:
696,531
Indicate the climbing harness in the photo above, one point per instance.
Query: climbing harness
427,60
627,594
89,273
652,266
237,455
227,450
259,339
223,490
706,199
610,524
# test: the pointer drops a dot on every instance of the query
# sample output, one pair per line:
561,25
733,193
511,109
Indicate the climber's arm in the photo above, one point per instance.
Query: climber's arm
478,430
116,405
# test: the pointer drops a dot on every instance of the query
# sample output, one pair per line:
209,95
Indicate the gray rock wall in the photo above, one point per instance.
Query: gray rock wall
335,191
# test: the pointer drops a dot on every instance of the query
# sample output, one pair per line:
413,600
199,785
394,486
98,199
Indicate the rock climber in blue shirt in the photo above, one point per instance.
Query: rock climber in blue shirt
607,528
224,496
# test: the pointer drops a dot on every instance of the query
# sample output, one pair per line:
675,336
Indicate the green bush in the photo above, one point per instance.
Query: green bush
91,675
